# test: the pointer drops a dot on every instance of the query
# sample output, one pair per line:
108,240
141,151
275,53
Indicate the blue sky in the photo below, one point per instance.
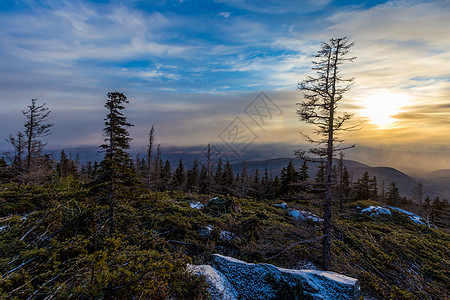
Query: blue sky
191,67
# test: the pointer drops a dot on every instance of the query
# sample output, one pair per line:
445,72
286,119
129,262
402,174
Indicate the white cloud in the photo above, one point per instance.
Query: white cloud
225,14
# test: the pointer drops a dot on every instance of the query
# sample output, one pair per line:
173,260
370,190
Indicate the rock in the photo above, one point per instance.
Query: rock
227,236
219,287
206,231
265,281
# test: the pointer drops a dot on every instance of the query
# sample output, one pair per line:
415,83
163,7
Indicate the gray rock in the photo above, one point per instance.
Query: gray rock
205,231
227,236
265,281
219,287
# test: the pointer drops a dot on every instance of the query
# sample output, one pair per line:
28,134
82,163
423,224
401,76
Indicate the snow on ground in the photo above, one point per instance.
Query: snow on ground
386,210
281,205
196,205
415,218
376,210
301,215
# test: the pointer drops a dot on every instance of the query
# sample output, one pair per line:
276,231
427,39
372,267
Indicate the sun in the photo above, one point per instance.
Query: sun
380,107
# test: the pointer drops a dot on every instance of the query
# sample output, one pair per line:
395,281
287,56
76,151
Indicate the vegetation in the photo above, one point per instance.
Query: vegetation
117,229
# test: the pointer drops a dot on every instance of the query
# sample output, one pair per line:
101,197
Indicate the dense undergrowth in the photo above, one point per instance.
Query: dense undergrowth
54,243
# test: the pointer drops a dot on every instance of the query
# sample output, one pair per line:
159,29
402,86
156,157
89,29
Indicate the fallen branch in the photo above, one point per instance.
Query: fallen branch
18,267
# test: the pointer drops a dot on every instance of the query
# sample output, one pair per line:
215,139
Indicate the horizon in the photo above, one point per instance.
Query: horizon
196,68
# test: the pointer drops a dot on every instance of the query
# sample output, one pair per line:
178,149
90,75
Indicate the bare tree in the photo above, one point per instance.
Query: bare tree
36,127
19,143
319,108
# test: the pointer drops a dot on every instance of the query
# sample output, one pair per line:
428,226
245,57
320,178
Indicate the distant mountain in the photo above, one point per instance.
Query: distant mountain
435,185
437,181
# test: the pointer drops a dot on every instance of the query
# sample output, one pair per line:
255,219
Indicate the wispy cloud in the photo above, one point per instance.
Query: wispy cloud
185,64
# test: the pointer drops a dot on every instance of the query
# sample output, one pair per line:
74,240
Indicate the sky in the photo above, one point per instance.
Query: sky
198,70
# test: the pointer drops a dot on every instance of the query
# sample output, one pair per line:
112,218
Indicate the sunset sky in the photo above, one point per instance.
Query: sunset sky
193,67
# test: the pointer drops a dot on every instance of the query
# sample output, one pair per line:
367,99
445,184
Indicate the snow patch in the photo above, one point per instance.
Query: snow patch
376,210
196,205
301,215
281,205
415,218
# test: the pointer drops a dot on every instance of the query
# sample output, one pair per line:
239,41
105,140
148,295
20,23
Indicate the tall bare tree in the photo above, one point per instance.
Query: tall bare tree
36,127
322,94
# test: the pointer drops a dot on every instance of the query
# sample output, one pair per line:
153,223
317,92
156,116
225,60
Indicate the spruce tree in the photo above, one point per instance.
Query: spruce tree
116,174
228,178
180,176
193,177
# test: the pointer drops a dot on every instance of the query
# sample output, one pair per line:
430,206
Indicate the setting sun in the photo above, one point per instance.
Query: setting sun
380,107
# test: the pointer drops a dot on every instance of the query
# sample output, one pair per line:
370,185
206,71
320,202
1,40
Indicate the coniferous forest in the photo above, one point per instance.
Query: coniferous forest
125,228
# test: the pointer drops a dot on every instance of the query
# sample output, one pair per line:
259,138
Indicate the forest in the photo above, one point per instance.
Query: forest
125,228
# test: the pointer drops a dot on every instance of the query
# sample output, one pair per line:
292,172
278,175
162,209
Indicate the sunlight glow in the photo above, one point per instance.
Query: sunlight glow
381,106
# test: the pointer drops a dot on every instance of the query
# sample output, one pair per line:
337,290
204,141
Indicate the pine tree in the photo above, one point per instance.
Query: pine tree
244,182
218,177
303,174
288,179
180,176
203,180
193,177
373,188
151,141
158,168
393,195
166,176
228,179
66,166
320,179
116,175
362,187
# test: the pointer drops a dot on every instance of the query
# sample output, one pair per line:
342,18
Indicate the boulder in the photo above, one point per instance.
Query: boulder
219,287
264,281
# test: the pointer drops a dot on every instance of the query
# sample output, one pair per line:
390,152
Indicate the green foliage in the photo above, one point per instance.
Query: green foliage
55,241
393,257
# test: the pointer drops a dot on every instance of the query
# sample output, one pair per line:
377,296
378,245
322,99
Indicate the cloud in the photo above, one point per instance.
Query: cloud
225,14
183,68
277,7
